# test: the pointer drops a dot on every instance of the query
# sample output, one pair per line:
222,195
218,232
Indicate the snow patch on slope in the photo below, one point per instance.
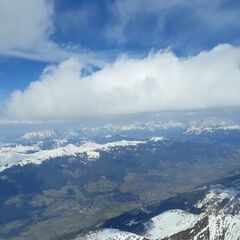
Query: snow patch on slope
110,234
169,223
157,139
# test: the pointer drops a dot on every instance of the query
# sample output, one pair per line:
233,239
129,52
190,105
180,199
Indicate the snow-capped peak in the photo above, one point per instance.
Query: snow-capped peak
216,196
157,139
39,135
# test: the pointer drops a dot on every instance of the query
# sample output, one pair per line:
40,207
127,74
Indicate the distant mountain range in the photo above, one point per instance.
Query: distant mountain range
158,178
21,155
36,147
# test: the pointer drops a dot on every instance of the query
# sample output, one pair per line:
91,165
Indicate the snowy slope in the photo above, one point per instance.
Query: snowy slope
13,155
22,155
110,234
169,223
220,220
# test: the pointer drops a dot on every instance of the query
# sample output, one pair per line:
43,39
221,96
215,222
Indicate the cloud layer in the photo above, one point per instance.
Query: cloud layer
159,81
26,28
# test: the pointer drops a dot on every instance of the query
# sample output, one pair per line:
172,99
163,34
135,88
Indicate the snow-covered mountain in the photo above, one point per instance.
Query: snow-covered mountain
22,155
131,179
189,126
202,129
40,135
219,219
150,126
133,129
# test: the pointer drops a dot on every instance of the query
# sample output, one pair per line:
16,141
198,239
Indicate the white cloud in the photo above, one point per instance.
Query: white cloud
24,23
160,81
26,28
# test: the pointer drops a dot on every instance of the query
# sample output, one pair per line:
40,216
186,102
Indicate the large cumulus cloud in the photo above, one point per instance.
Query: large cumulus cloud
159,81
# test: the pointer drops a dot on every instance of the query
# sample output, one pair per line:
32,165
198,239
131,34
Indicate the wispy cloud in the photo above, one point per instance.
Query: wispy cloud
177,23
33,29
160,81
26,29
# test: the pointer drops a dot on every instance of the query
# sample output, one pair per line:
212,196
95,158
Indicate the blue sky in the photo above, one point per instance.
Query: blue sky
36,34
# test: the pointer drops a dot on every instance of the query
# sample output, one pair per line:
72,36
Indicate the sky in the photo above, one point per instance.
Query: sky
69,59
